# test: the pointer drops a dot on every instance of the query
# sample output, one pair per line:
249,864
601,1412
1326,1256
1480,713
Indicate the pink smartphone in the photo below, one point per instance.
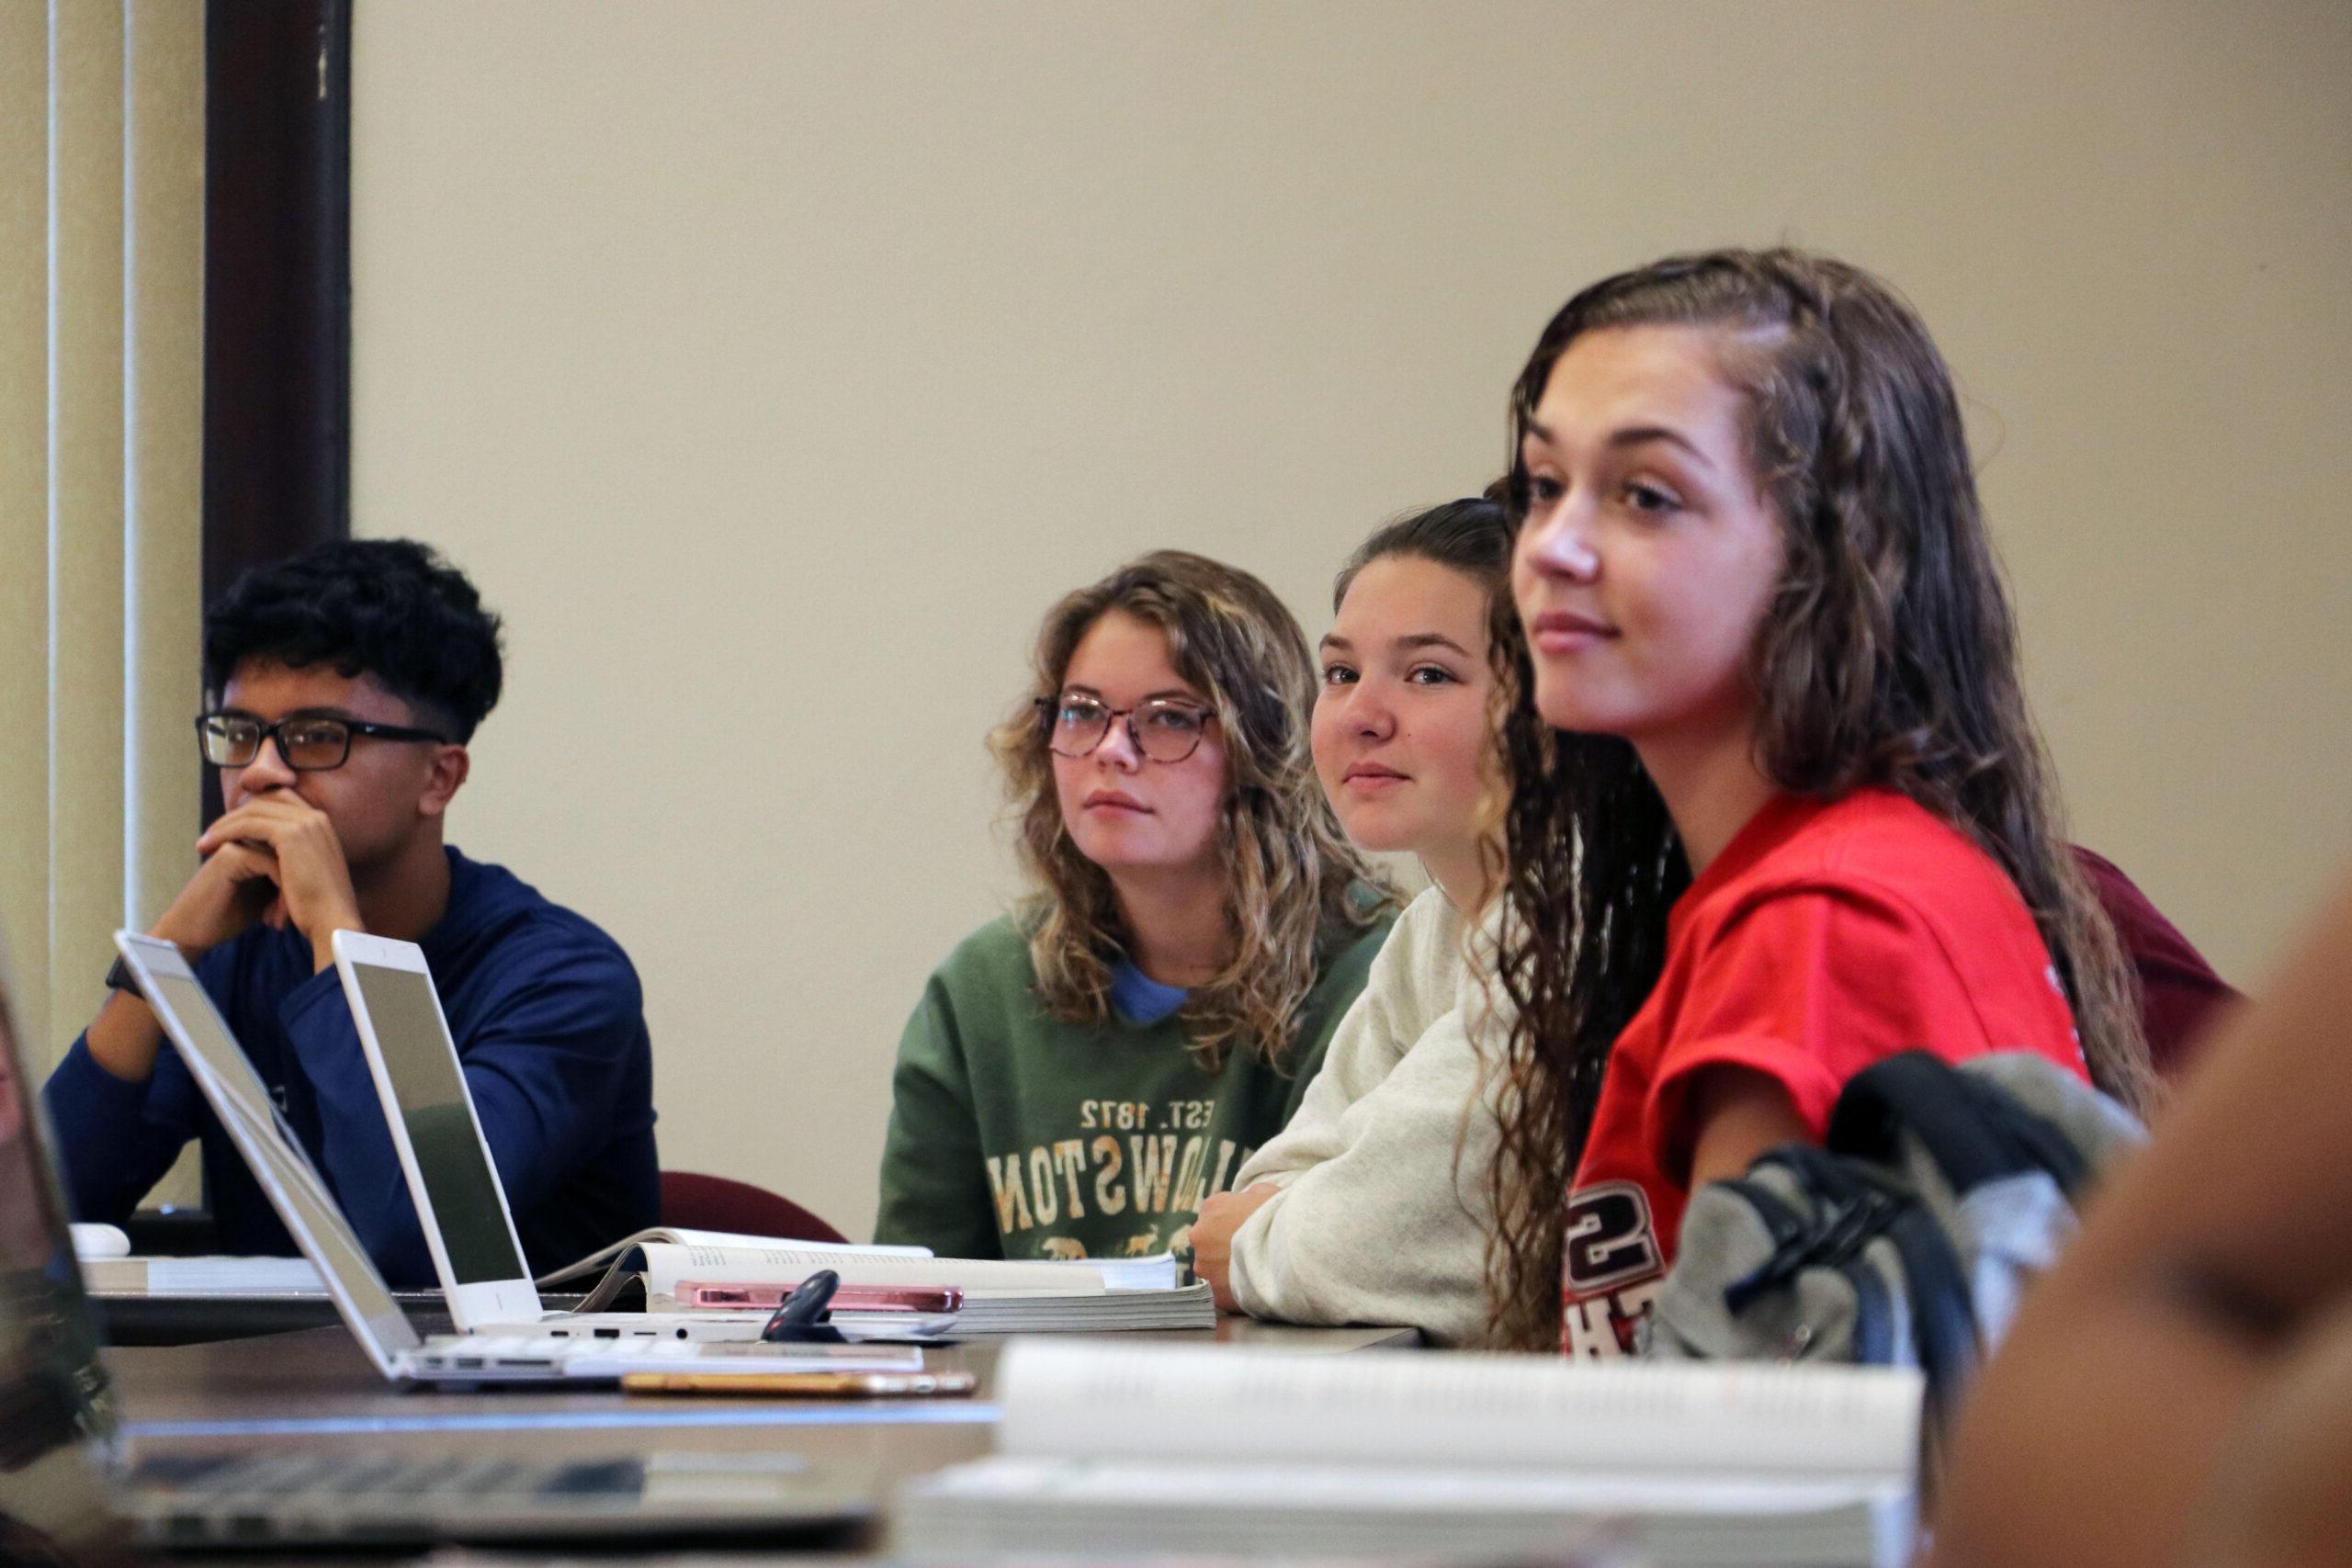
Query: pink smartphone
847,1298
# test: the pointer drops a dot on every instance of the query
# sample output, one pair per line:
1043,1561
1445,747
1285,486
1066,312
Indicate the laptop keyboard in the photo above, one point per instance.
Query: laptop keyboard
219,1476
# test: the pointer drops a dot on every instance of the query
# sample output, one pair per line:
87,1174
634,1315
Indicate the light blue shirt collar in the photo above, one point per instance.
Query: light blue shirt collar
1139,998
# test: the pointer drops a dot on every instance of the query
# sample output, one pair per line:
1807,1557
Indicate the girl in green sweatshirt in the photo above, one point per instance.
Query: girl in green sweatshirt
1079,1076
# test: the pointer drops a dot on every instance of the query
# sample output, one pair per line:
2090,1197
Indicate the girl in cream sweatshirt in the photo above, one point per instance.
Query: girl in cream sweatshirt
1370,1206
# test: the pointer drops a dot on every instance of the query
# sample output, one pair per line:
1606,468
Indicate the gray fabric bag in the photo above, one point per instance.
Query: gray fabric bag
1909,1239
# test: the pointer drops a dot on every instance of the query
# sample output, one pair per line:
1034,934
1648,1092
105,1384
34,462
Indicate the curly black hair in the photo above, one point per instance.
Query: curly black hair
388,608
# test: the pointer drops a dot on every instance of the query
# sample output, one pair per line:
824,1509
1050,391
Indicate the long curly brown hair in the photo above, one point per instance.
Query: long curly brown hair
1887,657
1296,886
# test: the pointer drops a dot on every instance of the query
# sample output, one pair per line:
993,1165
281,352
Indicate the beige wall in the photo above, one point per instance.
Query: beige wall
771,366
101,339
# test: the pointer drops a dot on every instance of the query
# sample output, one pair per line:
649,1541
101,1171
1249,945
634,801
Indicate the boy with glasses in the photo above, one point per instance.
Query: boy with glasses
344,684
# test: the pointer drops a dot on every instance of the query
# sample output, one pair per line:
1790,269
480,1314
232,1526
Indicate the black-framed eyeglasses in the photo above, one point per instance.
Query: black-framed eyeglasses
310,743
1164,729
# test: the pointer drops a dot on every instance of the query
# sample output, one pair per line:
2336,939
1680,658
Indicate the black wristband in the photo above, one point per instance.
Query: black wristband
120,978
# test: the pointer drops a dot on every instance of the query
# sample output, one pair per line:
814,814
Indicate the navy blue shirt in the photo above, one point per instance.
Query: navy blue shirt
551,1025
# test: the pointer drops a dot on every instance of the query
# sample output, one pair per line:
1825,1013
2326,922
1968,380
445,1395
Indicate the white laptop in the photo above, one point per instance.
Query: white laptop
72,1490
460,1202
303,1201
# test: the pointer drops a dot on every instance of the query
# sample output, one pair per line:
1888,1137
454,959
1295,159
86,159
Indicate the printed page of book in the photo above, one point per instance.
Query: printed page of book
1130,1510
1104,1401
1390,1489
681,1235
1157,1272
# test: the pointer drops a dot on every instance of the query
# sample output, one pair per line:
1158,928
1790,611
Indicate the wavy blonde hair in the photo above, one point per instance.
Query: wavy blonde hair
1296,886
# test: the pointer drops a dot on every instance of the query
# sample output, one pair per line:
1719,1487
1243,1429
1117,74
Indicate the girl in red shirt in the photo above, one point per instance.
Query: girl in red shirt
1777,808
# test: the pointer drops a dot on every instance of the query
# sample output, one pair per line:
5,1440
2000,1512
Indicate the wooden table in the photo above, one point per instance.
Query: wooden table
314,1387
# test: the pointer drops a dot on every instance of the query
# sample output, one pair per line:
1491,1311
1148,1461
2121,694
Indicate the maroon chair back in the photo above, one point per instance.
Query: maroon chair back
2180,996
723,1203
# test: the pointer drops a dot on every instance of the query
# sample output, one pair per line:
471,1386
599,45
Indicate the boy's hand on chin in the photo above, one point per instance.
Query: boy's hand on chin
304,856
235,887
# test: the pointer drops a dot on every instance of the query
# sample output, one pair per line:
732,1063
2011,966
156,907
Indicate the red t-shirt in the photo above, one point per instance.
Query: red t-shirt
1825,937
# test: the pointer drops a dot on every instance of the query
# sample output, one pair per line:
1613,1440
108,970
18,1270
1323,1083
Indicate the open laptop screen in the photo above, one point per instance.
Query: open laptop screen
431,1088
239,1100
57,1426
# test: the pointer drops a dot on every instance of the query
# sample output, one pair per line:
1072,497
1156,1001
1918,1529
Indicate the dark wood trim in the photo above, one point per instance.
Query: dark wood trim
276,281
276,287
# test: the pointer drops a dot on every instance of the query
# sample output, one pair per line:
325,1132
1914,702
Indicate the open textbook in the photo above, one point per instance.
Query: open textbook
1204,1449
999,1296
618,1258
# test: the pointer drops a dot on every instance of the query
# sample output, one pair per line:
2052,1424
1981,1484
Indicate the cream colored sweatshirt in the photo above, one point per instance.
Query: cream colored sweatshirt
1377,1221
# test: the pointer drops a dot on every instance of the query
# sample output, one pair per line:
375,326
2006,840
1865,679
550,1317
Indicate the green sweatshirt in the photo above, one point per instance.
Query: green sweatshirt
1013,1134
